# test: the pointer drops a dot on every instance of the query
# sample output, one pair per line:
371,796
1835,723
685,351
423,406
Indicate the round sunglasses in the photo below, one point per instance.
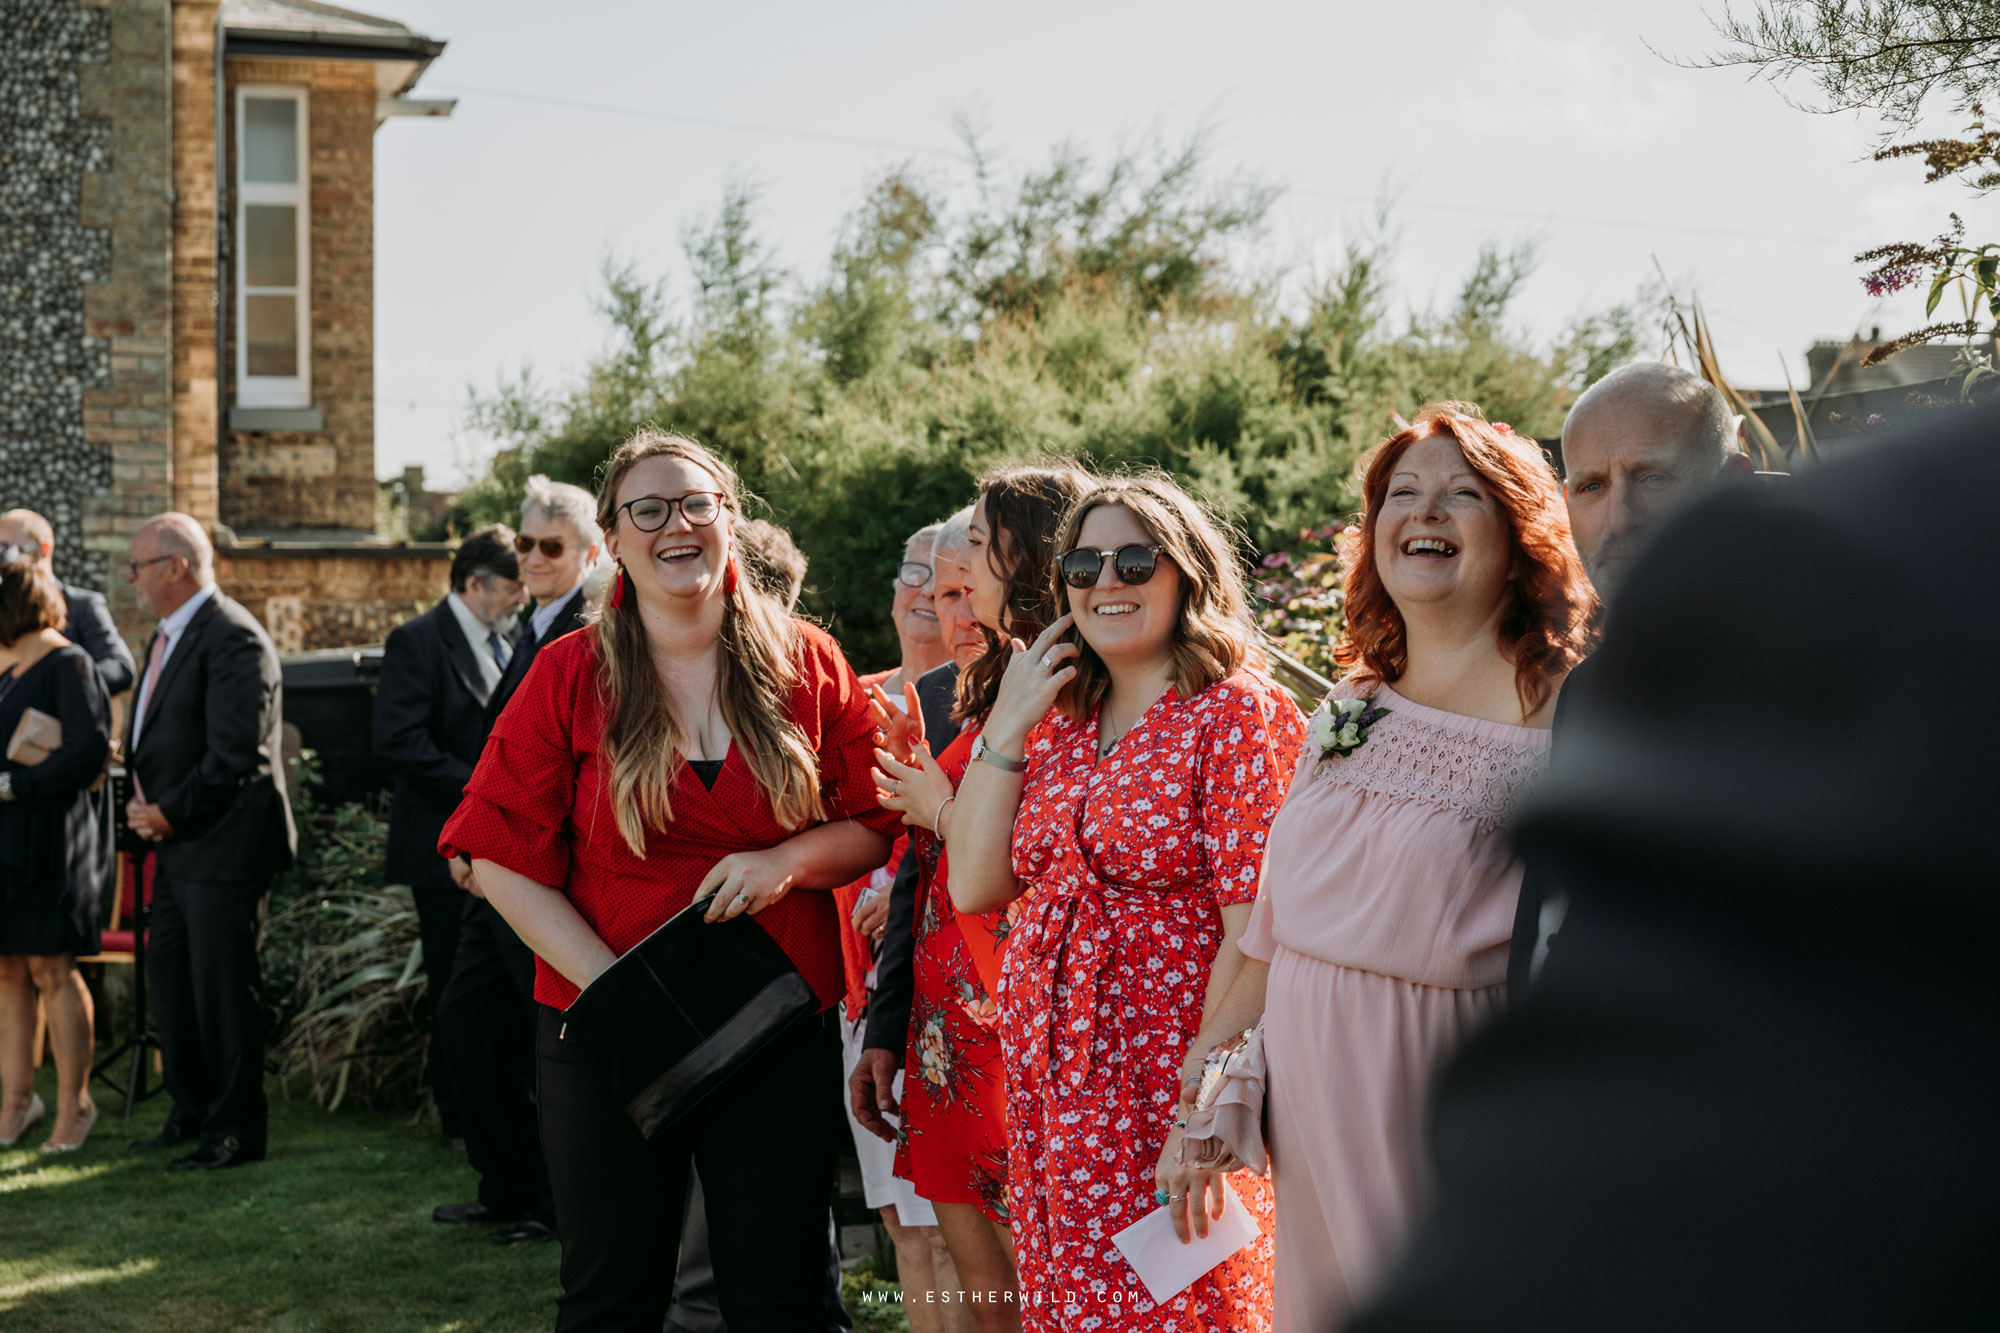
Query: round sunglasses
650,513
552,547
913,574
1135,564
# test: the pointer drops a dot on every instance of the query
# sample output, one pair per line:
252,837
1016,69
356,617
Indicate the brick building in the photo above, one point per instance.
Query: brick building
187,294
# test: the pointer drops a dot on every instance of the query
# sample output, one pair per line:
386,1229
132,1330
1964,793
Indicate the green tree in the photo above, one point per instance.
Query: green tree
1090,309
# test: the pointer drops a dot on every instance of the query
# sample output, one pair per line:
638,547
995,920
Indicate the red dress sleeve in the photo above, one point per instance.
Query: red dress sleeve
517,809
1253,746
846,735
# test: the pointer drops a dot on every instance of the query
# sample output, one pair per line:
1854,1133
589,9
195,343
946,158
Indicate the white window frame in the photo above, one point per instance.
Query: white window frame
273,390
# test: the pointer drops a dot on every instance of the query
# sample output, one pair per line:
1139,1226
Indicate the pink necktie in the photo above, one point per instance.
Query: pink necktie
154,656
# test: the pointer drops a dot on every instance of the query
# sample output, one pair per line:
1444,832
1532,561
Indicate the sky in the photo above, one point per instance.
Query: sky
1560,122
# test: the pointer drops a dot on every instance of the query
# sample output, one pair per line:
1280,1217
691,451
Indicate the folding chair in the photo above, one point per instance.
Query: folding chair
124,941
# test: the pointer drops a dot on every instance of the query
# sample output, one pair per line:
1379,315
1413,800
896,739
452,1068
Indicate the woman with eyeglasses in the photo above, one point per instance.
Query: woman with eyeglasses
696,744
1134,758
954,1141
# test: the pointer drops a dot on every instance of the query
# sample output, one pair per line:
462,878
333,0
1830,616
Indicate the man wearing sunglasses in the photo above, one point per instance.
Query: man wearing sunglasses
438,673
486,1012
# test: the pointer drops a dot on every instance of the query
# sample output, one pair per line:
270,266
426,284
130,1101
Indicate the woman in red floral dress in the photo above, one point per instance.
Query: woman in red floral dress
954,1145
1135,773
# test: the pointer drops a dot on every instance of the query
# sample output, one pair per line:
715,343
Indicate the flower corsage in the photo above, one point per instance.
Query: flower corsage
1341,725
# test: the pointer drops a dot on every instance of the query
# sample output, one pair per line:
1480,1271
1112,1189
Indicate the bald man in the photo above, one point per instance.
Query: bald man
89,626
1637,446
210,795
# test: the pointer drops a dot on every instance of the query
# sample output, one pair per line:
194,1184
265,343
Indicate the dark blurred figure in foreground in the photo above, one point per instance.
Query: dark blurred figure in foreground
1758,1086
1639,446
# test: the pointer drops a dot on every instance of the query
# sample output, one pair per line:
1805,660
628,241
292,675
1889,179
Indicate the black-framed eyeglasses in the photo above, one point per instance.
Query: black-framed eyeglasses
136,565
552,547
650,513
913,574
1135,564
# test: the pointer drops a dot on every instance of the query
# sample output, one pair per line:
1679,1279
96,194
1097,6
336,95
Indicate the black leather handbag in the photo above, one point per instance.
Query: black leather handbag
683,1009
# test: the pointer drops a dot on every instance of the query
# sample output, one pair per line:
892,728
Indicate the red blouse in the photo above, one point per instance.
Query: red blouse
539,803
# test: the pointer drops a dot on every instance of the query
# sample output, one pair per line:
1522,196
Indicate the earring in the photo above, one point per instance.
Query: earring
618,590
731,576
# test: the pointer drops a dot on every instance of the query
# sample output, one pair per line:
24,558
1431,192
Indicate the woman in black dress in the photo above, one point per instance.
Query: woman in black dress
54,858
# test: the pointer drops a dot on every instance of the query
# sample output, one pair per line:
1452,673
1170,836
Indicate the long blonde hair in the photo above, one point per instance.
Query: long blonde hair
1214,636
757,667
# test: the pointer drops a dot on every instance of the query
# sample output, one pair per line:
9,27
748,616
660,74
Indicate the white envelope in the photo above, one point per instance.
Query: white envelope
1168,1267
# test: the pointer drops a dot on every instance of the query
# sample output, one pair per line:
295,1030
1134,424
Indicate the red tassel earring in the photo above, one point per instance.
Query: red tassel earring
731,577
618,590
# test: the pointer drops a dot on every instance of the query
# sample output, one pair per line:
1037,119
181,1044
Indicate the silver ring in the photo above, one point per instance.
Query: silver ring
1175,1198
742,898
896,787
1049,660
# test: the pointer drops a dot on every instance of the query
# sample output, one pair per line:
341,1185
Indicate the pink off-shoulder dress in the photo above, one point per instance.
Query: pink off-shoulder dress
1387,902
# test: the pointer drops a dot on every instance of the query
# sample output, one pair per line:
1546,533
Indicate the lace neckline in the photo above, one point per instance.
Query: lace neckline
1477,726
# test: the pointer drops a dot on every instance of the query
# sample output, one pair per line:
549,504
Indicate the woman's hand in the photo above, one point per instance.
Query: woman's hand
914,790
1194,1194
1028,688
871,914
902,731
746,882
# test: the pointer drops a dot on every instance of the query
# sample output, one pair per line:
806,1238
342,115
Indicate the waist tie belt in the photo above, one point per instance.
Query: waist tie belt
1069,934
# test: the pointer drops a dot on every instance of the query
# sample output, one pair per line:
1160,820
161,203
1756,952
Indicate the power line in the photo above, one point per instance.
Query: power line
934,150
706,122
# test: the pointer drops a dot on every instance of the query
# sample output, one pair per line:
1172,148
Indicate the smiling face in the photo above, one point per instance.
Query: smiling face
1125,623
547,579
680,562
915,609
1440,536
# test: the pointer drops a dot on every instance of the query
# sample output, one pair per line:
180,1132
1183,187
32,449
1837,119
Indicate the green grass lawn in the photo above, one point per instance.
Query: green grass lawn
332,1232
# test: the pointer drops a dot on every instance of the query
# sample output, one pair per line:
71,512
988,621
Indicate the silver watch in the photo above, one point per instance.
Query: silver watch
981,750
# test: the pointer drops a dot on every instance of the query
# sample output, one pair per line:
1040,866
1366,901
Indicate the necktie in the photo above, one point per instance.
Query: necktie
154,656
498,647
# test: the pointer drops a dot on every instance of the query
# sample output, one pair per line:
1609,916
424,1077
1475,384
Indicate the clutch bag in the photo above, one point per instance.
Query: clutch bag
36,736
1228,1118
683,1009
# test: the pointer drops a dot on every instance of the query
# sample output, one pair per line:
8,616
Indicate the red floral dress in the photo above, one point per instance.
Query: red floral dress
1130,859
953,1144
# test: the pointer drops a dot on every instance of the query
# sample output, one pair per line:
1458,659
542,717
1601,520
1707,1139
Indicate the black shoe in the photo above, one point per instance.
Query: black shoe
471,1212
217,1156
529,1230
169,1137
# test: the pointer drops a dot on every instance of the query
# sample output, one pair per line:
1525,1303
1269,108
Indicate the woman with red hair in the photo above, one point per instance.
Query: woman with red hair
1379,935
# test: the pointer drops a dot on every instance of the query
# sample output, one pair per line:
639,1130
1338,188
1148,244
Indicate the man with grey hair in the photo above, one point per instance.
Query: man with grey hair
485,1011
209,794
1637,446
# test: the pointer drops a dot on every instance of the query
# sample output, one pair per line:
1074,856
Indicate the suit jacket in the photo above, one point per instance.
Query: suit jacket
1540,881
210,753
888,1019
429,727
91,629
569,617
1756,1086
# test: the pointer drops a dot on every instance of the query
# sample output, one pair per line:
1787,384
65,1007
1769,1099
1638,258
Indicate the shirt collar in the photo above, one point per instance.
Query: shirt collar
172,625
475,629
545,615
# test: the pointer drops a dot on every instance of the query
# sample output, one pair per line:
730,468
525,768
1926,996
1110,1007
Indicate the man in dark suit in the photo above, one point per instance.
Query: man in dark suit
1638,446
1756,1086
209,792
90,626
438,673
486,1011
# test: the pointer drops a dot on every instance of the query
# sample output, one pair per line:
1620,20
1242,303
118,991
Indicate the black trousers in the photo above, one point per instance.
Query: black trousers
696,1309
209,1004
766,1157
438,913
487,1024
